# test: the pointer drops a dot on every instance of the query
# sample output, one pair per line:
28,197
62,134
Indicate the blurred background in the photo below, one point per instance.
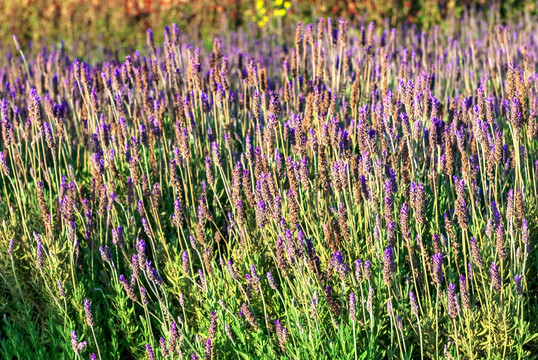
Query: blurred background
124,22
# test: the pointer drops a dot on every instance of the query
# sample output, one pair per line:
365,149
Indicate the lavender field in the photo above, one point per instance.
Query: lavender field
337,191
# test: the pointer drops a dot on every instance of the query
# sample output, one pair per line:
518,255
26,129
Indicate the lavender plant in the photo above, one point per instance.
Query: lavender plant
383,180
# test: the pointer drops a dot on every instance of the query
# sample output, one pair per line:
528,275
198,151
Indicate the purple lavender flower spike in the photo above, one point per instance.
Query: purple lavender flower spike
517,280
150,353
388,266
452,301
437,268
88,313
352,307
496,281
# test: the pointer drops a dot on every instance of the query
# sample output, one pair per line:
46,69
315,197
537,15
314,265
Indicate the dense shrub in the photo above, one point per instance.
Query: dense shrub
341,192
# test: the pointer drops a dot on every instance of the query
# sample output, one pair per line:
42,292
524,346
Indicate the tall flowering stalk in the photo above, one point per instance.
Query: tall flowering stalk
90,322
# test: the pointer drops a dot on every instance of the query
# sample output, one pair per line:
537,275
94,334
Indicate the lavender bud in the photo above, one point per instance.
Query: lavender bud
117,237
106,253
399,322
367,270
519,289
232,271
141,251
17,43
471,271
11,247
358,271
496,281
202,280
499,237
437,268
338,263
388,266
61,290
127,287
271,280
525,233
88,313
135,267
281,334
144,296
333,304
39,256
489,228
228,331
185,262
164,349
213,325
149,41
465,300
452,300
352,307
413,303
174,337
149,352
255,277
75,345
475,252
208,350
3,164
